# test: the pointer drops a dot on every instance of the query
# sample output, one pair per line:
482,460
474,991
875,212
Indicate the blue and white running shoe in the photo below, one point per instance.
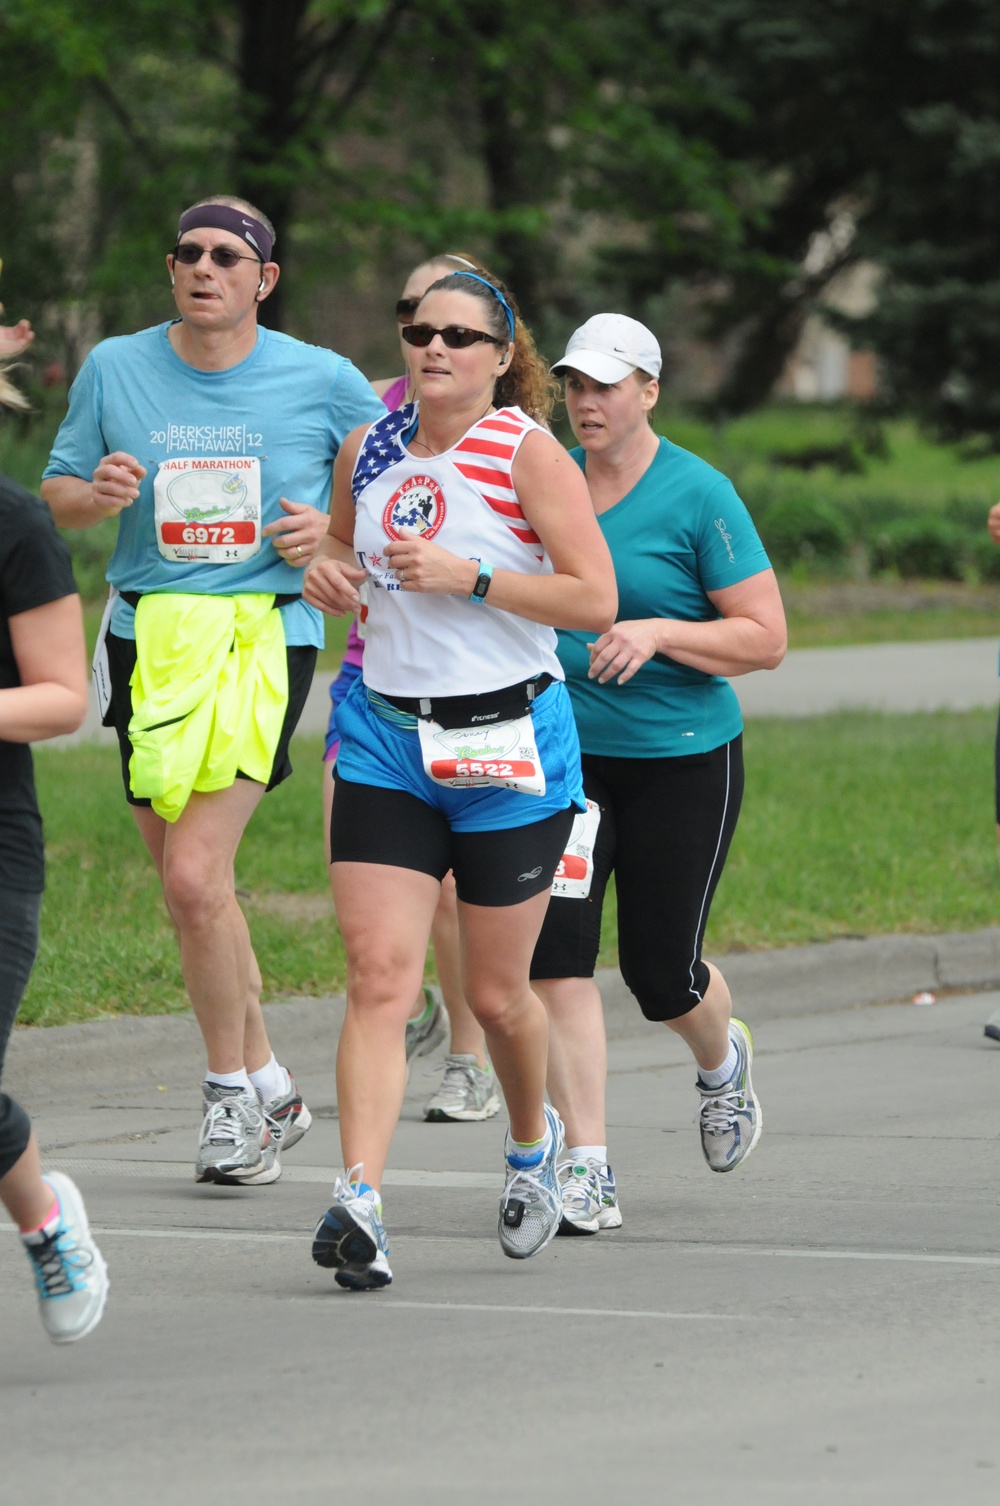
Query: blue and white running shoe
350,1238
589,1197
730,1118
70,1274
531,1205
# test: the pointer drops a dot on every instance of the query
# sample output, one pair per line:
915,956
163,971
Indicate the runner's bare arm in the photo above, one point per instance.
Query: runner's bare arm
76,503
333,574
555,502
749,635
49,652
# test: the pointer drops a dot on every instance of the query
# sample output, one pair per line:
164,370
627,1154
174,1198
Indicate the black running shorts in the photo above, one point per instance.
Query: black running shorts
121,662
666,826
493,868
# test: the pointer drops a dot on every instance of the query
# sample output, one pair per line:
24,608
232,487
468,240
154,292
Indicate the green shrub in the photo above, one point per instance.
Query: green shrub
927,547
803,528
986,557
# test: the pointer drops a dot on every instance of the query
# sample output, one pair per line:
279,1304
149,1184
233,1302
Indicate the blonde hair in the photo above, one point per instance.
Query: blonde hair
10,396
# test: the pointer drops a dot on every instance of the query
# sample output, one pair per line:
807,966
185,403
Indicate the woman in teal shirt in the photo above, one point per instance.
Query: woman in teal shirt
661,734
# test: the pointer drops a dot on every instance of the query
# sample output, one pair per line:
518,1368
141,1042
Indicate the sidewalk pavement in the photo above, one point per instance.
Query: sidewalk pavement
818,1327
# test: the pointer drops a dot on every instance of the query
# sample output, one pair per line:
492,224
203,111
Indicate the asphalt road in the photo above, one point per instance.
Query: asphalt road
817,1327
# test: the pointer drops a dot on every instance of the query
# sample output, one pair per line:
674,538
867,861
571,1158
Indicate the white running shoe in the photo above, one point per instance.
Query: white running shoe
468,1092
589,1197
730,1117
287,1117
70,1274
531,1206
350,1238
235,1144
427,1030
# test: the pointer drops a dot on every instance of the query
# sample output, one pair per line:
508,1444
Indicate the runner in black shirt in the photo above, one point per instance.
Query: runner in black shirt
43,692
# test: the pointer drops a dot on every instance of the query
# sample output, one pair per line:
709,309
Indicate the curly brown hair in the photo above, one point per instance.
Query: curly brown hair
526,383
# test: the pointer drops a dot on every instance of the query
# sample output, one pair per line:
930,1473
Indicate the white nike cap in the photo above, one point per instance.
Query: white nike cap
609,347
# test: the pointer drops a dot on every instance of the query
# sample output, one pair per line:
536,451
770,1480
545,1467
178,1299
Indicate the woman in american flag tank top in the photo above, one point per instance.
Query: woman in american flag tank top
475,536
466,1091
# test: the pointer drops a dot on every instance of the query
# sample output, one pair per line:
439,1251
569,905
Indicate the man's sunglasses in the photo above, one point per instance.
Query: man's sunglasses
189,255
455,336
405,310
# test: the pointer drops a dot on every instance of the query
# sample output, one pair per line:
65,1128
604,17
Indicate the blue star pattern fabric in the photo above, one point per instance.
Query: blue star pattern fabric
380,449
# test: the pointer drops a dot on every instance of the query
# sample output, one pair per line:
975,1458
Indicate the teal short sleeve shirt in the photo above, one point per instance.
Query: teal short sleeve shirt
681,532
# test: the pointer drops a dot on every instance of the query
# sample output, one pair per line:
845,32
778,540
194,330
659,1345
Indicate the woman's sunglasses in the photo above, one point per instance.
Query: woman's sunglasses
455,336
189,255
405,310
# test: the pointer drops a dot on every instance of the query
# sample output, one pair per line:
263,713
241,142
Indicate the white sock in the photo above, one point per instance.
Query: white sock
719,1076
271,1081
598,1153
231,1080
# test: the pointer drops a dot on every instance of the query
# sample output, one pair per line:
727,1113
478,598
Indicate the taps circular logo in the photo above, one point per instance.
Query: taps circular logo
418,505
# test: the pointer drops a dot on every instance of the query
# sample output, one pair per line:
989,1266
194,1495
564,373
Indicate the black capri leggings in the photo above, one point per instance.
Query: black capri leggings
666,826
18,943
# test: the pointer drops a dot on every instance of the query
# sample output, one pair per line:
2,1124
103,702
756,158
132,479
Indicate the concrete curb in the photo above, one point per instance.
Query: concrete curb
129,1057
837,975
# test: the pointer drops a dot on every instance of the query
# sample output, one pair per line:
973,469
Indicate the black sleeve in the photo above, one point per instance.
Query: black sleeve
35,565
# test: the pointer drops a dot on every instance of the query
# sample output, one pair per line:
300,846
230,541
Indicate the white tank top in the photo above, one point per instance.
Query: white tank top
464,500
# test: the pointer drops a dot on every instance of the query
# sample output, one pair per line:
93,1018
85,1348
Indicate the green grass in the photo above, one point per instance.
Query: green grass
108,947
826,614
914,472
852,825
859,824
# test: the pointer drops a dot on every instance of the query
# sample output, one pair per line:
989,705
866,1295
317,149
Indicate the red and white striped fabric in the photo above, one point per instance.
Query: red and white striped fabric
490,448
463,500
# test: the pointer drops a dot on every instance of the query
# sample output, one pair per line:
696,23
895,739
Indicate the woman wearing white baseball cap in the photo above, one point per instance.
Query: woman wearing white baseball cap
661,734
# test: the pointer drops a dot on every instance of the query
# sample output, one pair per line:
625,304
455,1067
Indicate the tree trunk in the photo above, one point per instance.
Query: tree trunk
269,67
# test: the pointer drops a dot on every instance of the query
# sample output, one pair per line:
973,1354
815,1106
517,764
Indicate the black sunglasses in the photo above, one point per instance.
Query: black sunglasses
405,309
455,336
189,254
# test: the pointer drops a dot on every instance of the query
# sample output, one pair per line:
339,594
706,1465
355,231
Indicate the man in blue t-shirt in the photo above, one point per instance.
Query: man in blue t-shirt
212,440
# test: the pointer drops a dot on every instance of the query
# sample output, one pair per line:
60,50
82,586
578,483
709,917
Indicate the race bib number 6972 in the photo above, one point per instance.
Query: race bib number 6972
207,509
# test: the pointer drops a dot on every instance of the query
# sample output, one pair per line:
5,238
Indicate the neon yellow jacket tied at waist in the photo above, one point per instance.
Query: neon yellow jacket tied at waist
209,694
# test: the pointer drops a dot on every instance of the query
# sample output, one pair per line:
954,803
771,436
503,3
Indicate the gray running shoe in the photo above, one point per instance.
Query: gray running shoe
467,1092
427,1030
287,1117
235,1144
589,1197
350,1238
70,1274
531,1206
730,1118
992,1027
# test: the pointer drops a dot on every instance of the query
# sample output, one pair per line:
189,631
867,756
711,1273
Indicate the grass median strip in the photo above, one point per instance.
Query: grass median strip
853,825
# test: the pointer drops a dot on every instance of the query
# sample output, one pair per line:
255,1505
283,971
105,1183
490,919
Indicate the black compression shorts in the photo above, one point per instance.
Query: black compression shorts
666,826
494,868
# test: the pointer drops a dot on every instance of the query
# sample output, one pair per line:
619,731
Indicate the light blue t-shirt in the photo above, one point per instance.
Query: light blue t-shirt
680,532
288,404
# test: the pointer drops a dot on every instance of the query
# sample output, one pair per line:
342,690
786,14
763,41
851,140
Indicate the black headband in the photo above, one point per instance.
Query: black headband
236,221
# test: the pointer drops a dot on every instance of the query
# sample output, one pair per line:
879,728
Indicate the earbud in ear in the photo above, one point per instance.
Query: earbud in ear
171,279
260,286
